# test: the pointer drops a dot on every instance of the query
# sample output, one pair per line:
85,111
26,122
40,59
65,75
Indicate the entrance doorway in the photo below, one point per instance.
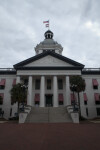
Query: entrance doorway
48,101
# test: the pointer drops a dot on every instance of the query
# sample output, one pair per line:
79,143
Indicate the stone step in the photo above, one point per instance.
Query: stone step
48,114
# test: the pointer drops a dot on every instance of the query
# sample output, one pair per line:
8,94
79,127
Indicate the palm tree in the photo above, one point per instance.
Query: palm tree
79,85
18,94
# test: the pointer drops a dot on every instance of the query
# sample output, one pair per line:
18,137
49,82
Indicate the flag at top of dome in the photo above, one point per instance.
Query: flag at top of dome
46,23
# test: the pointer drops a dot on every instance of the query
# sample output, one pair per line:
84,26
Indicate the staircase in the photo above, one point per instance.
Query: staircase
48,114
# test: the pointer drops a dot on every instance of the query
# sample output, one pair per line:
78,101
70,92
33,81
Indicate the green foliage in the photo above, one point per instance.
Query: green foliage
18,93
78,82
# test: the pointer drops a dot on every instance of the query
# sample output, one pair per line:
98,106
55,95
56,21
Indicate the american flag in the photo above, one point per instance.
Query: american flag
46,21
47,25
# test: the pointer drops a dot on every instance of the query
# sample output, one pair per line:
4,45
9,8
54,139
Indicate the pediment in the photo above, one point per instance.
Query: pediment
48,61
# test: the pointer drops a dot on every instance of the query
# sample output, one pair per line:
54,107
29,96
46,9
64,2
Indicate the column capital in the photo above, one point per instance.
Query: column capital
42,75
30,75
67,75
54,76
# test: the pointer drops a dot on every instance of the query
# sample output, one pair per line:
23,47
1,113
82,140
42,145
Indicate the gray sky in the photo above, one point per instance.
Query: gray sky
75,24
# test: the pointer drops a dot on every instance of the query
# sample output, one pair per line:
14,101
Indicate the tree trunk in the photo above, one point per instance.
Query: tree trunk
79,104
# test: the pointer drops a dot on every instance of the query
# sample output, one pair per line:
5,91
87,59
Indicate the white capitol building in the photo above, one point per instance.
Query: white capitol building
47,76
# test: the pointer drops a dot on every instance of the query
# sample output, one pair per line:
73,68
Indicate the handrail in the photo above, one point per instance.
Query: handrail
7,69
91,69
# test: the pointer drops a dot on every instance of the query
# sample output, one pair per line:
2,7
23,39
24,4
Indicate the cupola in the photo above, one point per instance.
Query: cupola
48,34
49,44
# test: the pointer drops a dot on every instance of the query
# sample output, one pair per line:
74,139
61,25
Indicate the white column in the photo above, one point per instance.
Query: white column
67,100
18,79
55,92
42,89
29,96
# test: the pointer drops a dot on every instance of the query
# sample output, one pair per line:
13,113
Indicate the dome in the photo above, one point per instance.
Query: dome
48,44
48,34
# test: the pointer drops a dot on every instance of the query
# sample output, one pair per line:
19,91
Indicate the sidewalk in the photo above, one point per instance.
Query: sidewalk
49,136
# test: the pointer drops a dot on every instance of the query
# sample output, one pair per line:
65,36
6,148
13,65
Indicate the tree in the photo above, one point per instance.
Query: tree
18,94
79,85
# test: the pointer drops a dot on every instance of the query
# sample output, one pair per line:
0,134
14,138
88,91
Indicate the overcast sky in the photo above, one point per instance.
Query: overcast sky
75,24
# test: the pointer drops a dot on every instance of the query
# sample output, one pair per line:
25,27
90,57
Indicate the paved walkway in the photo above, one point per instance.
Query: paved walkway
50,136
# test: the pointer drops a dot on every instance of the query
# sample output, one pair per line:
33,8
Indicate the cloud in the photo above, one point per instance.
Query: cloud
93,26
75,23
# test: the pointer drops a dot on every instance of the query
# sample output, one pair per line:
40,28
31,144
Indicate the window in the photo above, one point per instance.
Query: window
14,82
97,102
87,111
85,102
60,84
37,99
98,111
2,83
37,84
95,84
73,98
60,99
85,98
1,98
26,82
97,98
2,87
48,84
1,102
95,87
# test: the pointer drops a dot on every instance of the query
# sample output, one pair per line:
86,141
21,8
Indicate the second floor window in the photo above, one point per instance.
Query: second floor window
2,83
48,84
95,83
60,84
37,84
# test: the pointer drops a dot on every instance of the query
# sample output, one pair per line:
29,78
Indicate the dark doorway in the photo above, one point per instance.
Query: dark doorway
49,100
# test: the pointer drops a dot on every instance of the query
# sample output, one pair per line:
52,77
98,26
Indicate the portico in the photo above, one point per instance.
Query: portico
47,96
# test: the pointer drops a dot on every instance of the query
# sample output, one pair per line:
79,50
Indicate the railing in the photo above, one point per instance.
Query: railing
7,69
85,69
91,69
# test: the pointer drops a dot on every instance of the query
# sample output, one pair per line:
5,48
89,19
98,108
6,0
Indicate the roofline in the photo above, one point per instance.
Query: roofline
63,58
91,71
7,72
49,68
